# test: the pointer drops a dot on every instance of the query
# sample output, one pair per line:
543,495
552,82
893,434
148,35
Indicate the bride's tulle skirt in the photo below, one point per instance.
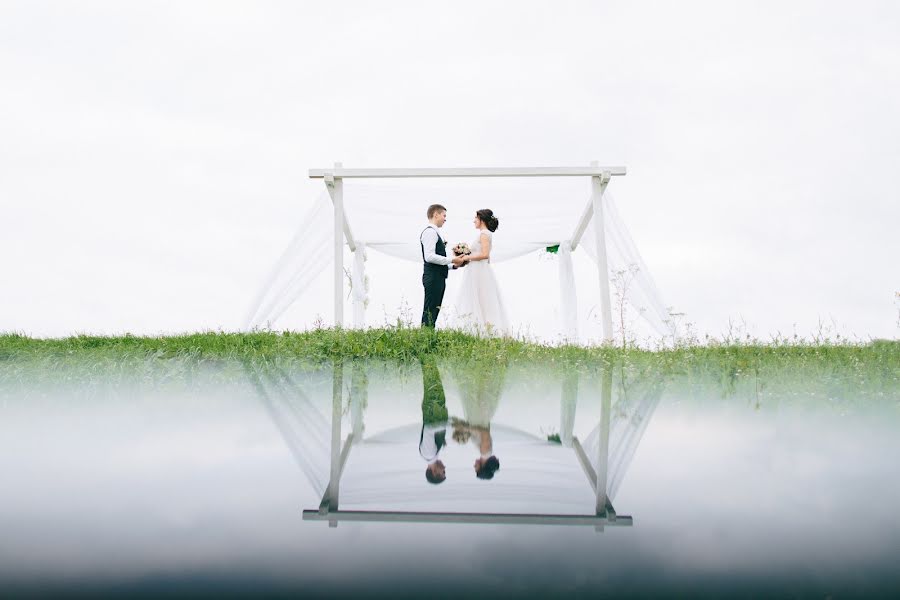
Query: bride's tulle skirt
478,307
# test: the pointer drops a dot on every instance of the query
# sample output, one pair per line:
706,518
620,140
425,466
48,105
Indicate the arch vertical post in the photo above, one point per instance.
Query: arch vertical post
330,501
335,187
604,506
598,187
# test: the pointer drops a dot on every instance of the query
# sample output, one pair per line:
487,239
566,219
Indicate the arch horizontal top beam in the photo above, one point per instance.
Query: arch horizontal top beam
592,171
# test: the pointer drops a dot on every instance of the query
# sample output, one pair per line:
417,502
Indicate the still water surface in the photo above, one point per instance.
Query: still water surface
249,479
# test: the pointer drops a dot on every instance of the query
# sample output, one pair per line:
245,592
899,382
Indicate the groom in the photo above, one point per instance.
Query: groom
437,264
434,420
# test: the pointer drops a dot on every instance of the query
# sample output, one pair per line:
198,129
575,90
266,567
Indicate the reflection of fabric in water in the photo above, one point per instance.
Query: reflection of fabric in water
304,429
631,413
567,405
480,387
359,398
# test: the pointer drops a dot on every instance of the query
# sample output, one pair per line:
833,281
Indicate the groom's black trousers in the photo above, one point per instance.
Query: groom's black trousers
435,283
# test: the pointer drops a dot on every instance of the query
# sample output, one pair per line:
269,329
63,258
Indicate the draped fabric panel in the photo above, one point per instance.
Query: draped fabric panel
568,297
359,285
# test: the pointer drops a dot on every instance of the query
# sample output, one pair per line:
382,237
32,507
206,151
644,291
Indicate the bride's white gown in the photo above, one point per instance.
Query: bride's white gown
479,307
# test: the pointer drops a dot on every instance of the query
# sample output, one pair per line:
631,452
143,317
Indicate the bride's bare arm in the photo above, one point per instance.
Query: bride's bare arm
485,253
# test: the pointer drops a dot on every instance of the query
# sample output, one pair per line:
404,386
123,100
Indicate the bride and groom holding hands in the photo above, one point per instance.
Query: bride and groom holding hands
479,306
480,396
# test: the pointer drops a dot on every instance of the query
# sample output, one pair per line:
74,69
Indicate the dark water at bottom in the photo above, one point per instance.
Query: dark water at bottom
196,483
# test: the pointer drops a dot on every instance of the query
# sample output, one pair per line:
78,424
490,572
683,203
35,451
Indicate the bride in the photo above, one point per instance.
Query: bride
479,307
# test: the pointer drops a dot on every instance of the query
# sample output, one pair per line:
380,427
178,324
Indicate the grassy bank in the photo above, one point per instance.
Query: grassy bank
407,344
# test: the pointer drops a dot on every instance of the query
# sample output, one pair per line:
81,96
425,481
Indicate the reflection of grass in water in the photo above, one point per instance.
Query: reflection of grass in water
761,368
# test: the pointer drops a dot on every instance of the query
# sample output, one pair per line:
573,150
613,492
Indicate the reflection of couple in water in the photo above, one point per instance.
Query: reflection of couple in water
480,392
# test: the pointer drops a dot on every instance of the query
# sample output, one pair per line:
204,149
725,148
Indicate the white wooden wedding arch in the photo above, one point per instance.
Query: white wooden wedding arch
599,175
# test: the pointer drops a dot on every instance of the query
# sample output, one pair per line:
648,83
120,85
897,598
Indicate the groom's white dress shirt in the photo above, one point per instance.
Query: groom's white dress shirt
429,240
427,447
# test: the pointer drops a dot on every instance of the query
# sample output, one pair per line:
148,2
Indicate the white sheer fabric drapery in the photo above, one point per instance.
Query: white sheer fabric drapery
359,285
305,257
567,293
622,256
631,413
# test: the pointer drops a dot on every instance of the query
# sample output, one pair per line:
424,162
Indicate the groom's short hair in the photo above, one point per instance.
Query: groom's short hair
434,208
432,478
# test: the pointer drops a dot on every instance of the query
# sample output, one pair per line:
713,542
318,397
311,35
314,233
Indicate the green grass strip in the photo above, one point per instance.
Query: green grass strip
405,344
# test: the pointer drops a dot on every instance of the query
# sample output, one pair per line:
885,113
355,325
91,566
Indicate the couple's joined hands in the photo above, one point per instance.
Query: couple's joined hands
460,261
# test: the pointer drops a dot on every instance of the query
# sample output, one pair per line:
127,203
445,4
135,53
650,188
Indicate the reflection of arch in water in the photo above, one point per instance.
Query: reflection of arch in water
605,454
629,416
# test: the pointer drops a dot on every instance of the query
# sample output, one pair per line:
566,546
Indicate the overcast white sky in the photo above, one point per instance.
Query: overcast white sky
153,155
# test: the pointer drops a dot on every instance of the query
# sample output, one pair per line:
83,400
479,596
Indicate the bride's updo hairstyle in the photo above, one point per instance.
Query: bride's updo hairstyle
487,217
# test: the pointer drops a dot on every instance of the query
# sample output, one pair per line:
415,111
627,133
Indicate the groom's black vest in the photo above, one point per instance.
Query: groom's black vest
441,250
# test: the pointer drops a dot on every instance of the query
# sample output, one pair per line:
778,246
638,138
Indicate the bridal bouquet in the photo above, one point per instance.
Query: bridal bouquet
461,249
